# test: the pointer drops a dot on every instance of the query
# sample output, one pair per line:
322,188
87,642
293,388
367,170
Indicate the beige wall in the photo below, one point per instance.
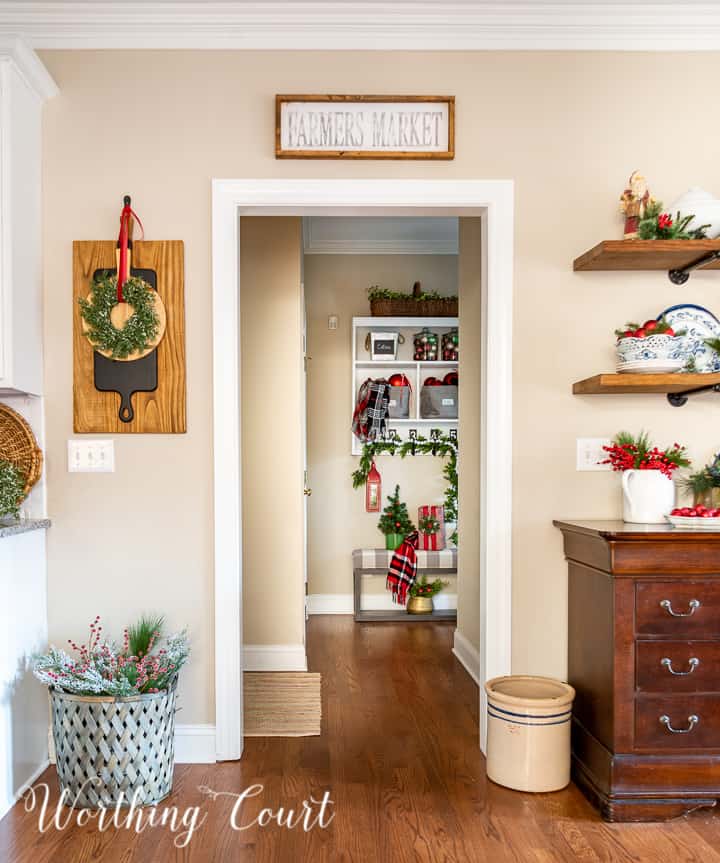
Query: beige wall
567,127
469,478
337,284
272,412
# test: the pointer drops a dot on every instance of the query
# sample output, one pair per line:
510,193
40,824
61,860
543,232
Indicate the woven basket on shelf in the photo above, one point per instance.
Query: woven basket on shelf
442,308
19,447
114,749
414,306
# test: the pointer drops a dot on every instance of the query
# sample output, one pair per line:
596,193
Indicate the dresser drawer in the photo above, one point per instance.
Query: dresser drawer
677,666
680,609
667,722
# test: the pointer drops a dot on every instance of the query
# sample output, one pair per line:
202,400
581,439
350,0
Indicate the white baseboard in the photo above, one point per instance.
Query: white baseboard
9,800
467,655
274,657
330,603
342,603
195,744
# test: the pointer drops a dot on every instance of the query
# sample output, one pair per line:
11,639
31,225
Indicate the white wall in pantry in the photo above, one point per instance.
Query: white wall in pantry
337,521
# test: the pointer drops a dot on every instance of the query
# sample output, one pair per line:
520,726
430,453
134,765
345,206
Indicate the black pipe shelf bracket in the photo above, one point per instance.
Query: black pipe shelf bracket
678,400
679,277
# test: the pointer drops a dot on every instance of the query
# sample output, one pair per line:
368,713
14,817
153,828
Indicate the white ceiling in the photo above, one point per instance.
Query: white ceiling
365,24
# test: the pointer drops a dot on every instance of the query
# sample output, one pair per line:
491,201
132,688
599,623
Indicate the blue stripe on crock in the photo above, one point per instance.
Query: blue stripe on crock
531,724
529,715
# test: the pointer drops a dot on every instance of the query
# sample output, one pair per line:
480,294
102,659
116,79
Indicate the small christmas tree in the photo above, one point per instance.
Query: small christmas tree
395,519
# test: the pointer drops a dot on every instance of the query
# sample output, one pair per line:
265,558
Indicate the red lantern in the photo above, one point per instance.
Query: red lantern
373,490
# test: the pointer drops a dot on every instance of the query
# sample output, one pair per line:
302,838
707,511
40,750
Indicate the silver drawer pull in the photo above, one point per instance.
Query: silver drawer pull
693,606
692,722
693,663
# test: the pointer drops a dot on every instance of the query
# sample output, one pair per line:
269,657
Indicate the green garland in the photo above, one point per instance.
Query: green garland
443,445
142,327
12,486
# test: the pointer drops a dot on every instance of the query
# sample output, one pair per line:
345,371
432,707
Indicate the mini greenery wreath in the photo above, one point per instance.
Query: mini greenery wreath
429,525
141,328
12,486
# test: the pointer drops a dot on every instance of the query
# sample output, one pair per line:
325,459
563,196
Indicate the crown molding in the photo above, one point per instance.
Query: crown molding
28,65
368,25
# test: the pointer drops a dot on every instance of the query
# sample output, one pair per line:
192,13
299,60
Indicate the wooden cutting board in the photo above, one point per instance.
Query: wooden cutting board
162,408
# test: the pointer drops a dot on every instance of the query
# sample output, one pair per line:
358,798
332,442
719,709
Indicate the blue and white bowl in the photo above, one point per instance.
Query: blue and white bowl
653,354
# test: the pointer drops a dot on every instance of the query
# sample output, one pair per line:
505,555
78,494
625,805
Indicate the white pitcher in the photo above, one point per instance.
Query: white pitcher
648,496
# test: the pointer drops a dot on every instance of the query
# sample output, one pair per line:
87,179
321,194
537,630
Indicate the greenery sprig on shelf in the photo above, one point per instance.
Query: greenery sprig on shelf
659,225
12,486
375,292
443,446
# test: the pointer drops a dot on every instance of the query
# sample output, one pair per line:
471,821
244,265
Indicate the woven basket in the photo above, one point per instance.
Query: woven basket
114,750
442,308
19,447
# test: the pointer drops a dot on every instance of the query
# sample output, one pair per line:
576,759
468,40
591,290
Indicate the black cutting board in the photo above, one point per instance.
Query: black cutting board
127,378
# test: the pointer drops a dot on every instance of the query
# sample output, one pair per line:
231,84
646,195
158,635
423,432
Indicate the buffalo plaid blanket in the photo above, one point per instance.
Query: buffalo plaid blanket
371,410
403,569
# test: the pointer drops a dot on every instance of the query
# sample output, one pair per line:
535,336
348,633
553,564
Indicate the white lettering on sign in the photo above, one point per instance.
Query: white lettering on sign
365,127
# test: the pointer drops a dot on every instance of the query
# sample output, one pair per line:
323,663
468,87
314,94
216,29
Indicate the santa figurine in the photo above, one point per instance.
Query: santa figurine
634,202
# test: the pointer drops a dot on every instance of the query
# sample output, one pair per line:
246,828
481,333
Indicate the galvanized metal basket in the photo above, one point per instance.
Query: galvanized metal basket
111,750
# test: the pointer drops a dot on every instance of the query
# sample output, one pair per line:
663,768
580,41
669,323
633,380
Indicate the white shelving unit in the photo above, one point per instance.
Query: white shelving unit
416,372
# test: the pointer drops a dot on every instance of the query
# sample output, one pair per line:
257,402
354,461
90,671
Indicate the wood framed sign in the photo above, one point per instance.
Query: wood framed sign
364,127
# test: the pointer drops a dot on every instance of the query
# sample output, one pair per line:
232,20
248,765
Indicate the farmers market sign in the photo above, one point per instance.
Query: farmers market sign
365,127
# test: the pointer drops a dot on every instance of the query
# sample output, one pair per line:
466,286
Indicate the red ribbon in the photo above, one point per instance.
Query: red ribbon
123,273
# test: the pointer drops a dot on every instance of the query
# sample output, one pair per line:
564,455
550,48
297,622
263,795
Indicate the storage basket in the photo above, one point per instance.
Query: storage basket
439,402
111,750
399,403
19,447
445,307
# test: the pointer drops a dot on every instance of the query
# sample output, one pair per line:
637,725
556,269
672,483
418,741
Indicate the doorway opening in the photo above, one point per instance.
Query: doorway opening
412,349
487,203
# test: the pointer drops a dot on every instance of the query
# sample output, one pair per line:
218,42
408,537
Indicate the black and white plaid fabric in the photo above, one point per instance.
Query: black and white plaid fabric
371,411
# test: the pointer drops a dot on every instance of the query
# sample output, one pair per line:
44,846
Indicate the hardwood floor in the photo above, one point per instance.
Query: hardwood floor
399,755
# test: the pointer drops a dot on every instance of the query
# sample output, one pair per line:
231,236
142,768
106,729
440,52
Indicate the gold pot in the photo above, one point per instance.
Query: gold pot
420,605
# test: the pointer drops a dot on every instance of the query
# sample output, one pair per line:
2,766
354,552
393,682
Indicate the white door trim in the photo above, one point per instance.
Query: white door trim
492,199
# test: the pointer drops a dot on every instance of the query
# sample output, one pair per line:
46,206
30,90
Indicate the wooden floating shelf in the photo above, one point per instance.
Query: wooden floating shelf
648,255
614,384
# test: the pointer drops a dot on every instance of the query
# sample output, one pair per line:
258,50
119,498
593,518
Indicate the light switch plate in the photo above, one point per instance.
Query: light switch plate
590,451
333,322
91,456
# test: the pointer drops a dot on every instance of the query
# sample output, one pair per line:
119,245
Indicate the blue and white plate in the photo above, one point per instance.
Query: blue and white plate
699,324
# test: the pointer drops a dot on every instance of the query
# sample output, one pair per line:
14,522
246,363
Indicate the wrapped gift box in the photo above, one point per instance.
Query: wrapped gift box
431,541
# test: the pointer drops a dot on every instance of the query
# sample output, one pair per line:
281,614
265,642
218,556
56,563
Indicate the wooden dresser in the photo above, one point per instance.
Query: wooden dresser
644,658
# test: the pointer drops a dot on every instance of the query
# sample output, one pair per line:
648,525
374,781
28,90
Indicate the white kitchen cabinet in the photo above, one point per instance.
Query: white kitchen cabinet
24,85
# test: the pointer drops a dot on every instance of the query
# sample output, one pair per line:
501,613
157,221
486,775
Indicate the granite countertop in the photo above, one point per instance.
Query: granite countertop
22,525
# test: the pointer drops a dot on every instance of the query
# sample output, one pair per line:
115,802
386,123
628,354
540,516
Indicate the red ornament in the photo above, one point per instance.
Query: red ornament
373,490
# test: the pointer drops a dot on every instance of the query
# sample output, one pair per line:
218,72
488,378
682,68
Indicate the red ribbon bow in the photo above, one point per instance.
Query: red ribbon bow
123,274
